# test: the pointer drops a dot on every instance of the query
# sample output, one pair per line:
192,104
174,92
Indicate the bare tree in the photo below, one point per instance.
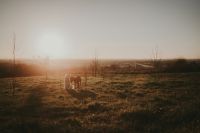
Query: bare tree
156,63
85,75
94,65
46,67
59,73
13,66
156,60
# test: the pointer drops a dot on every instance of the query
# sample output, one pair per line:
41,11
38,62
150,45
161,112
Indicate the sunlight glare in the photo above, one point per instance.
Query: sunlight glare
52,45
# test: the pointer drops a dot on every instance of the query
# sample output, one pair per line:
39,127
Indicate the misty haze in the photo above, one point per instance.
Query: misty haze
99,66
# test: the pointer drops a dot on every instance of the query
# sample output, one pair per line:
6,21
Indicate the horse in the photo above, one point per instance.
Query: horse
76,81
73,82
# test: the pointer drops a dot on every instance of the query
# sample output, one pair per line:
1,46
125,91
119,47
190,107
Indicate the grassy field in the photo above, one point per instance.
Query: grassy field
137,103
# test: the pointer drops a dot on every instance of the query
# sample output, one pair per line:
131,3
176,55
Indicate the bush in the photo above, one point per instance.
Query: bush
183,65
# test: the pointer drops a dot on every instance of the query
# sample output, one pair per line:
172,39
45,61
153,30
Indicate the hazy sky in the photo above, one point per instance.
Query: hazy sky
115,28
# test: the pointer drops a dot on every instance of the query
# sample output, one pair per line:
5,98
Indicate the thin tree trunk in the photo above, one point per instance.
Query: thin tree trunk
13,73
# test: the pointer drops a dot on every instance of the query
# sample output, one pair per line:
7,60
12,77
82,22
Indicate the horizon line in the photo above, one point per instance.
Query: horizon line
102,58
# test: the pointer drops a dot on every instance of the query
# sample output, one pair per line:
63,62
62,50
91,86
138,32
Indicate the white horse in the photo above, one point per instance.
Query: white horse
67,84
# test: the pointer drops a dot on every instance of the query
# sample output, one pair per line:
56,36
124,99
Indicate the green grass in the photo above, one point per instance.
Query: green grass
120,103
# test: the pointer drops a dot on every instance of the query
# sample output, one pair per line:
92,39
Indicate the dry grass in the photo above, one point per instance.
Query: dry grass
120,103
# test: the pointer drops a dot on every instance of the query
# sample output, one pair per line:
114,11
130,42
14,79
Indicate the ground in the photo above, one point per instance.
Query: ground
118,103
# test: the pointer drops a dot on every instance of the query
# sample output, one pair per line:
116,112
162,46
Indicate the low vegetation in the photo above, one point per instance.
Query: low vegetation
118,103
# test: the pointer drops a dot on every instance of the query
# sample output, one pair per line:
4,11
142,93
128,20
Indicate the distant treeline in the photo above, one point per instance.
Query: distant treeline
158,66
20,70
181,65
153,66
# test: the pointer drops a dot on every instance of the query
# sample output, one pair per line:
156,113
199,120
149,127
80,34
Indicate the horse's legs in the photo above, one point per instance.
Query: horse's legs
78,85
74,84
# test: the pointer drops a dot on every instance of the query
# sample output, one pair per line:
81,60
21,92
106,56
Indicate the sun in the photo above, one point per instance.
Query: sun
52,45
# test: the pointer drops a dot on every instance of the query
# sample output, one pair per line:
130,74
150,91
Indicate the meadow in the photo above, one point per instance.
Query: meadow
138,103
